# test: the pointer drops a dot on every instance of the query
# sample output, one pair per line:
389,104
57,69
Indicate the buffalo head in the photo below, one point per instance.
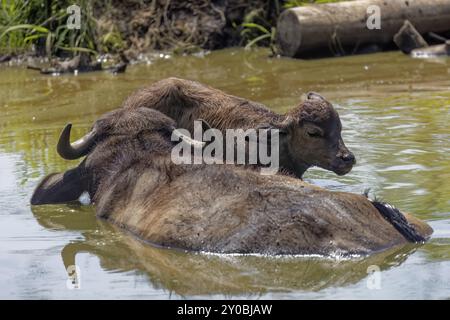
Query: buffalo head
310,135
118,137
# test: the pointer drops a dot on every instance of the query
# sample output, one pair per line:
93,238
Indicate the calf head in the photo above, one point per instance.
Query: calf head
116,140
311,136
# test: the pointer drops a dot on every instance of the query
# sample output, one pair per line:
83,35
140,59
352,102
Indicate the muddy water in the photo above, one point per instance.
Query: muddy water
395,112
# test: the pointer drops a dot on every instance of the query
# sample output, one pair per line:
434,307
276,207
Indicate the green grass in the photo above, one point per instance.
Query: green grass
44,25
258,29
15,13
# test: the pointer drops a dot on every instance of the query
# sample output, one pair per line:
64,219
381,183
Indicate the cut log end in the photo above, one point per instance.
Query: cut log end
289,35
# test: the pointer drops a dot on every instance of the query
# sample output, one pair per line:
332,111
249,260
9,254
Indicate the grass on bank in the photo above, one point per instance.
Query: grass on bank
42,24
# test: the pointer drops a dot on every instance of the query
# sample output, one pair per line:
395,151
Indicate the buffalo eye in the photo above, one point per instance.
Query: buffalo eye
314,133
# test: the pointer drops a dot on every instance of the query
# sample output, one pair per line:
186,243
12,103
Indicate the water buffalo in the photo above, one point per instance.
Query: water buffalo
133,182
310,133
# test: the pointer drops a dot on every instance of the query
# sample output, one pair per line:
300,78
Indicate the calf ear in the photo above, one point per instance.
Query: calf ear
314,96
285,126
60,187
311,96
282,129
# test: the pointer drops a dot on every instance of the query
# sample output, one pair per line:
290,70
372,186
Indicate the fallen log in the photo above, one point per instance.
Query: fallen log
341,28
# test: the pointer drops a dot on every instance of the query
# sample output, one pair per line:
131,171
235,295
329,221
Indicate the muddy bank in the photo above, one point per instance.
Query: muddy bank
133,27
130,30
183,26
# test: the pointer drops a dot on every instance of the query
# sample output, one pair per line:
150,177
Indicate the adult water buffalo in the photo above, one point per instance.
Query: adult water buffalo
310,134
133,182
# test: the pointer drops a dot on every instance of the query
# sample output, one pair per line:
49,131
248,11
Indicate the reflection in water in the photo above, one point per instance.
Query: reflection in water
395,113
199,273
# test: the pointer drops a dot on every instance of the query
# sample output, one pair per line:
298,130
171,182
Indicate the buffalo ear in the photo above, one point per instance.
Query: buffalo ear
315,96
311,95
60,187
285,126
282,127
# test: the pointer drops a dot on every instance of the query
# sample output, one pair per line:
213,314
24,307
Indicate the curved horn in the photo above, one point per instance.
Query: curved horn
188,140
77,149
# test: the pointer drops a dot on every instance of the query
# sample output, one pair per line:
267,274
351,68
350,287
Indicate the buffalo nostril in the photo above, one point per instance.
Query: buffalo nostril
348,157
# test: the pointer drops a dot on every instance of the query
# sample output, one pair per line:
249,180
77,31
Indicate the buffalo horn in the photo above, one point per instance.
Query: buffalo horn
77,149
